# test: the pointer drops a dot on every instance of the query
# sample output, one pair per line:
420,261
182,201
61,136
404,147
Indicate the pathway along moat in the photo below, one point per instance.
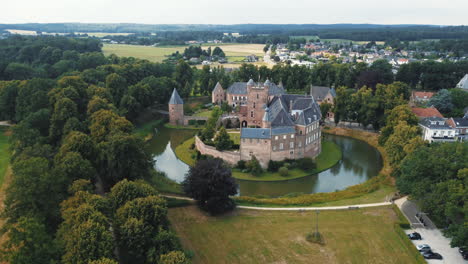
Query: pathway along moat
360,162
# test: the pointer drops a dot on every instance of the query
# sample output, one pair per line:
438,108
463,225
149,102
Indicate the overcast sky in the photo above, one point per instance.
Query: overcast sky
440,12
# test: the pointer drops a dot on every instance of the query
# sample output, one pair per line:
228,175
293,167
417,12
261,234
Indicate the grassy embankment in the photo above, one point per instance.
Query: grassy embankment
369,235
234,52
330,155
377,189
4,152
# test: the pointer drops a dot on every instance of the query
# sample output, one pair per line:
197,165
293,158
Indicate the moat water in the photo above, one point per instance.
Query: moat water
360,162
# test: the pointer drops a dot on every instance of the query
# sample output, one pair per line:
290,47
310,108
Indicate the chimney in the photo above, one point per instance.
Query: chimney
290,105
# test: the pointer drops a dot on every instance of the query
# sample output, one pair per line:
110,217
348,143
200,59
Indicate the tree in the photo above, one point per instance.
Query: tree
442,101
8,95
399,113
125,191
210,183
105,123
253,166
402,135
28,242
324,109
117,86
222,140
174,257
183,76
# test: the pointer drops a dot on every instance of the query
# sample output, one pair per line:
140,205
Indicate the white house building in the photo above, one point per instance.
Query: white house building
437,129
463,84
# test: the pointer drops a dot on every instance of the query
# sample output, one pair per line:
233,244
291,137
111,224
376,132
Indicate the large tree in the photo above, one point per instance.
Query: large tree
210,183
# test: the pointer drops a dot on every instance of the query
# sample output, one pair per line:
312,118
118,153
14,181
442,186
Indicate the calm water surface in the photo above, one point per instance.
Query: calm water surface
360,162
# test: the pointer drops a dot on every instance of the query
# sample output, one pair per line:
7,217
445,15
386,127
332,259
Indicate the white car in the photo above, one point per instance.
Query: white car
423,247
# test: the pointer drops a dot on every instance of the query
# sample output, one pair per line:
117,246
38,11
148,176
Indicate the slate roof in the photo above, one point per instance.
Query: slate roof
307,110
217,87
459,122
319,92
241,88
175,98
283,130
261,133
427,123
463,84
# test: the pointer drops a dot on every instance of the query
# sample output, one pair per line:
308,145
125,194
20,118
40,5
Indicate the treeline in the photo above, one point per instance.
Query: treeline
72,144
48,57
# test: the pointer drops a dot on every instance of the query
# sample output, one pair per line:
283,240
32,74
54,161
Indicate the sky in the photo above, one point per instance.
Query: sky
436,12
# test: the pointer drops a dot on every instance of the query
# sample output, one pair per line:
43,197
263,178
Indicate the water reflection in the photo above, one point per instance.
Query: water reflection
360,162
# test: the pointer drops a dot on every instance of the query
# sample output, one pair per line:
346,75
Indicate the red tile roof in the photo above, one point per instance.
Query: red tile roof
426,112
422,94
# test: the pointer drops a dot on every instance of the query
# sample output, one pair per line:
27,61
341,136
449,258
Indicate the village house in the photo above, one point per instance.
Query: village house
426,112
420,97
437,129
463,84
461,127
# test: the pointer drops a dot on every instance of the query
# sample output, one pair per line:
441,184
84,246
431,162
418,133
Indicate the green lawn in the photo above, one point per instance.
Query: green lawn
235,137
184,153
329,156
247,236
148,128
5,152
206,113
158,54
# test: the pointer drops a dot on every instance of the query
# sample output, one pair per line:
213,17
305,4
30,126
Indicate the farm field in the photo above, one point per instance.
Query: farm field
103,34
247,236
234,52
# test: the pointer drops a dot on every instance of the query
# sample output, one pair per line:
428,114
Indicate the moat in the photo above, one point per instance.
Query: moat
359,163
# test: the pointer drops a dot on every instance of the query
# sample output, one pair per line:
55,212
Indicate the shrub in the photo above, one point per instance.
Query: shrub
273,166
192,146
192,122
283,171
254,166
201,122
241,165
306,164
315,237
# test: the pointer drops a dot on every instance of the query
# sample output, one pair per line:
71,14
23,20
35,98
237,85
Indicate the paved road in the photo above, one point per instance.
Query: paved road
429,233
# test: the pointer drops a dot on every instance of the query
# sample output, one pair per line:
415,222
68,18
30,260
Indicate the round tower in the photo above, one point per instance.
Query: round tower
176,109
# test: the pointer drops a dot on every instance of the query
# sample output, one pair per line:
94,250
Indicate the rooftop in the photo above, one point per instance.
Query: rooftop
175,98
426,112
261,133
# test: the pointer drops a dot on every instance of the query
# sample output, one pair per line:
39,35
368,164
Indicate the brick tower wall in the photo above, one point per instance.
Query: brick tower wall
176,114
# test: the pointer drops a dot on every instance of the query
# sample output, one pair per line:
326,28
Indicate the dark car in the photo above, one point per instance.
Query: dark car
431,255
415,236
464,253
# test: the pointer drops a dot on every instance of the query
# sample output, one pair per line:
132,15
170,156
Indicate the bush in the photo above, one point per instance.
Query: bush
273,166
253,166
283,171
315,237
192,122
241,165
306,164
201,122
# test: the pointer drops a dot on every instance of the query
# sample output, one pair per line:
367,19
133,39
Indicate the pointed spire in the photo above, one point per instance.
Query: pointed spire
251,82
267,83
175,98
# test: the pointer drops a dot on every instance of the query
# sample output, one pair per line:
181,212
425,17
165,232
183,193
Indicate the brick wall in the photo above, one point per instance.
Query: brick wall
176,114
261,148
230,157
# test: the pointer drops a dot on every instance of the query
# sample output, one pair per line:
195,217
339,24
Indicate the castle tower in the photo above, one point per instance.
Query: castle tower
266,122
257,98
176,109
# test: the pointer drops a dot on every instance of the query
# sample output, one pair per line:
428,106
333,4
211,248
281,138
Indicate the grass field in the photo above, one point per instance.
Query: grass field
184,153
4,151
244,236
206,113
235,137
157,54
329,156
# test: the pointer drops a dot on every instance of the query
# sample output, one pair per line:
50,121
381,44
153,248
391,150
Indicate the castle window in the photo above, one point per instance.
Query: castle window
257,96
300,132
251,114
276,137
281,146
284,137
292,135
299,144
291,144
292,152
254,105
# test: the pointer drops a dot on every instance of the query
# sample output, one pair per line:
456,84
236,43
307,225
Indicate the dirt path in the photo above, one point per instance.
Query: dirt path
343,207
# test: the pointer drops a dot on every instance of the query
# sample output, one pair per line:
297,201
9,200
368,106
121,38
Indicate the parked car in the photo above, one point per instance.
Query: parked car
463,252
415,236
423,247
431,255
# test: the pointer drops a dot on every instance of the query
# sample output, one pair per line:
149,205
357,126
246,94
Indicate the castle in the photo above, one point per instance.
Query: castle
274,125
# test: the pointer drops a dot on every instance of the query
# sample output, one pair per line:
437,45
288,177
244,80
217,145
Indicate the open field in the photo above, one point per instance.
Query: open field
329,156
157,54
352,236
4,151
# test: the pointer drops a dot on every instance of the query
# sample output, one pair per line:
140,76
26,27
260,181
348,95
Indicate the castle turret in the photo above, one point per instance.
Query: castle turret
176,109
